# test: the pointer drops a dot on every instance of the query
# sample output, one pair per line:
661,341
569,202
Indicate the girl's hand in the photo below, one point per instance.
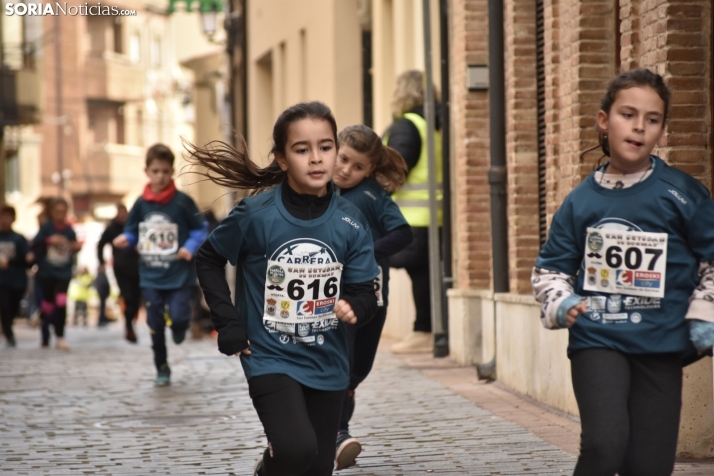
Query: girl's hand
120,242
245,351
344,312
575,311
184,254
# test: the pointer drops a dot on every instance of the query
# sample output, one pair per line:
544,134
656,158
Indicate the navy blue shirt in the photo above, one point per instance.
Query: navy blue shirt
53,261
14,248
382,216
668,202
161,231
286,284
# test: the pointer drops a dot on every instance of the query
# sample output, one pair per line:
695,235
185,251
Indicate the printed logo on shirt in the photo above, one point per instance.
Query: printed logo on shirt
276,274
271,308
303,329
304,251
320,339
285,305
595,316
305,308
647,279
641,302
620,316
614,303
284,314
595,242
624,277
325,324
604,273
284,338
348,220
678,196
596,303
636,317
324,306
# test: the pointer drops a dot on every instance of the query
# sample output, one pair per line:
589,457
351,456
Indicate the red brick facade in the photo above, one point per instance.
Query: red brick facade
583,42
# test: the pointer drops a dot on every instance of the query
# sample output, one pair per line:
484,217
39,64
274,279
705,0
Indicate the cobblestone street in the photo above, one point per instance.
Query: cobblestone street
95,410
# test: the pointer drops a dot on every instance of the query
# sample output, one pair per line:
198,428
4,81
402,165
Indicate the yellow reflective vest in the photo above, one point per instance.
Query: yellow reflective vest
413,196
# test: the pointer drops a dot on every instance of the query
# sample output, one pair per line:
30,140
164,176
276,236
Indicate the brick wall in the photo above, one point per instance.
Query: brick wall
469,116
521,141
676,43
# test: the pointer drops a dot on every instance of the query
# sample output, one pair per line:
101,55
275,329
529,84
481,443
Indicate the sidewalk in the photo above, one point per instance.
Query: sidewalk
552,426
94,410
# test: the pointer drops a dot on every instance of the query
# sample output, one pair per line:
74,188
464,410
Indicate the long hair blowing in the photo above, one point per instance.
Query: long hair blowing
232,168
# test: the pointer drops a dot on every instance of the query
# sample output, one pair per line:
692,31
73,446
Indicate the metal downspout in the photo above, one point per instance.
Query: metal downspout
497,171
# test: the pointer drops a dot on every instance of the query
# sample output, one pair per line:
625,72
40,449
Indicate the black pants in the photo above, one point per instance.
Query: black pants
300,423
415,260
54,306
9,305
131,294
629,410
362,343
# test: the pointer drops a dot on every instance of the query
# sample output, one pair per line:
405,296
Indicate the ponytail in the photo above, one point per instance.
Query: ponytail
229,167
389,166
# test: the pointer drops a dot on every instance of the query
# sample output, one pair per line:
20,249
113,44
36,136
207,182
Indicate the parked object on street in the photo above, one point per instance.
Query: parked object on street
366,171
306,269
618,271
167,228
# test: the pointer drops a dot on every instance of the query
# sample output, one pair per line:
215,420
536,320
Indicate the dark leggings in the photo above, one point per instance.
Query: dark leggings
415,260
131,293
54,306
629,411
9,305
300,423
362,343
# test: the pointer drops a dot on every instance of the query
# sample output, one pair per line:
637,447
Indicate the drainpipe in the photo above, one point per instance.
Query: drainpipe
497,171
447,277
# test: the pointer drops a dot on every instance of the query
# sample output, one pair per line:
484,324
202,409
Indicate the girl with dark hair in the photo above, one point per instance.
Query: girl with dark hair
305,271
55,246
628,269
366,170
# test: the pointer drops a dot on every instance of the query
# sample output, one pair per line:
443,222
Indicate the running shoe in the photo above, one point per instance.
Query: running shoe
178,335
163,378
130,335
258,468
348,448
62,344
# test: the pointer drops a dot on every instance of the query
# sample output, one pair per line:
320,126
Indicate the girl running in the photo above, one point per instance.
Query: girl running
366,171
628,268
306,269
55,246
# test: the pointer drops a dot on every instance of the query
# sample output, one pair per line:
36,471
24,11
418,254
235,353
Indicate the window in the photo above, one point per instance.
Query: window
12,172
135,48
156,52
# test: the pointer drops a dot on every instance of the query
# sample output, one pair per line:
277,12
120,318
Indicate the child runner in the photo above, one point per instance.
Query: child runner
366,171
15,257
80,291
305,263
619,270
55,245
168,228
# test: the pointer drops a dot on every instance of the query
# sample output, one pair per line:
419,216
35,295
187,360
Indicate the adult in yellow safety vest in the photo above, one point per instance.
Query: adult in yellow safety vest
407,135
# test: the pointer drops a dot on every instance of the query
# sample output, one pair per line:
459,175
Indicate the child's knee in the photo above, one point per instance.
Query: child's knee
61,300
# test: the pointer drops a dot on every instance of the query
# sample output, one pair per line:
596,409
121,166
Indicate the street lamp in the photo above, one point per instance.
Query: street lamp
209,13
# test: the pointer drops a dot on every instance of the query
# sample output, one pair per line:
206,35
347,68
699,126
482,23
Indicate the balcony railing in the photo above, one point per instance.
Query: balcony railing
116,168
113,77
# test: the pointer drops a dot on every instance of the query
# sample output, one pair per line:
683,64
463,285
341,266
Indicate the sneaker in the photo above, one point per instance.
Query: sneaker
348,448
258,468
61,344
163,377
415,343
130,335
178,335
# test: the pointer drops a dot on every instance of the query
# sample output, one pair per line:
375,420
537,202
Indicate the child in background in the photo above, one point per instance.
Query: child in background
168,229
366,172
628,269
79,291
15,257
306,271
55,246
